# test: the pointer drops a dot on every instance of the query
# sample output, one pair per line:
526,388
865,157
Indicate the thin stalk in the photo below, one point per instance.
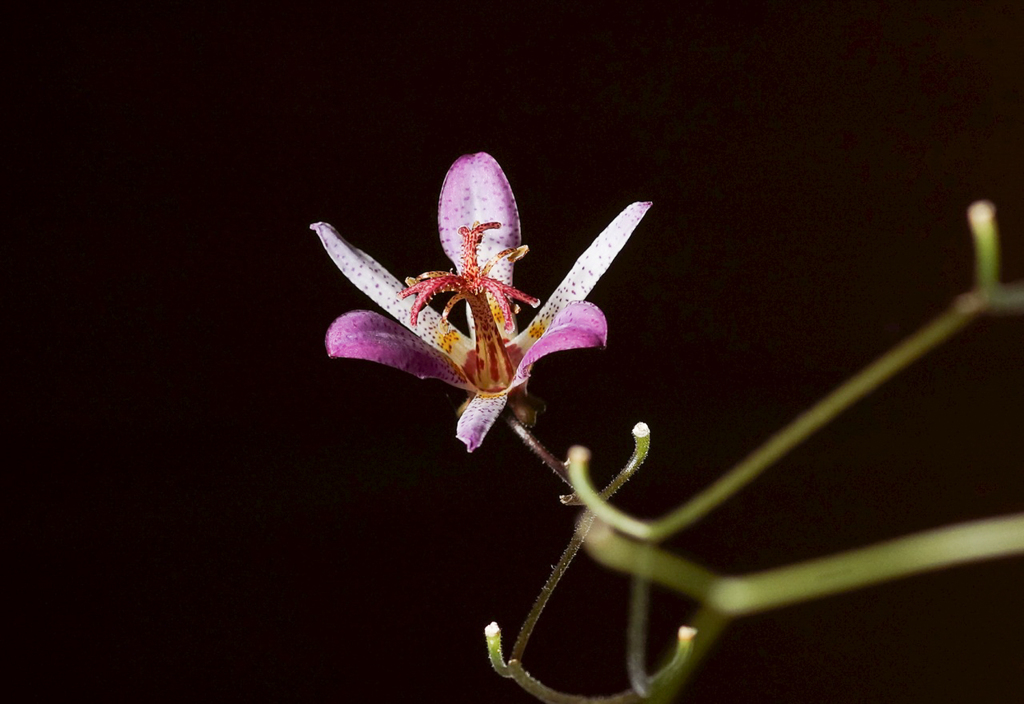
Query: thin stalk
965,310
582,528
926,551
556,465
636,636
709,625
641,446
514,669
615,550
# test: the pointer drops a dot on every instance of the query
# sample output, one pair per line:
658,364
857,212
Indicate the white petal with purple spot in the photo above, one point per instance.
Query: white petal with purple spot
591,265
476,190
478,418
375,281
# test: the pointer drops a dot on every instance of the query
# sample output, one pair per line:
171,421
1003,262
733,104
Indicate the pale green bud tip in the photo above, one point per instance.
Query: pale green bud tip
492,630
686,633
640,430
578,453
981,213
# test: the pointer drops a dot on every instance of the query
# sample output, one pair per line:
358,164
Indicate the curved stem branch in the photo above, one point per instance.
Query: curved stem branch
514,669
803,426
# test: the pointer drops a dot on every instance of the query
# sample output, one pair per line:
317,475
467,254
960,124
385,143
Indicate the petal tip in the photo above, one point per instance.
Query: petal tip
471,439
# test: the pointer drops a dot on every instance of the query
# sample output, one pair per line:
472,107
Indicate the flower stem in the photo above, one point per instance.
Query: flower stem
806,424
556,465
642,443
926,551
582,528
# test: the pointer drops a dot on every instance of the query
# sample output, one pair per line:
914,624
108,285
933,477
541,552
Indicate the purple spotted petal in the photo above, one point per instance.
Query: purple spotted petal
577,326
580,280
478,418
363,334
476,190
375,281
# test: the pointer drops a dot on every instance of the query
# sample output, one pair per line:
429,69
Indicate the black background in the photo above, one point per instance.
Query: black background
204,507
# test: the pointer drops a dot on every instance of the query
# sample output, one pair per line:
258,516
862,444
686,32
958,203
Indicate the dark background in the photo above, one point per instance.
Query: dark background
204,507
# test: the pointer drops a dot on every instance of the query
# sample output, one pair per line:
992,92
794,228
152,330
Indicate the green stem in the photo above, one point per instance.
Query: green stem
579,475
857,387
514,669
636,635
582,528
492,635
981,216
642,444
1007,299
552,696
926,551
913,554
614,550
709,625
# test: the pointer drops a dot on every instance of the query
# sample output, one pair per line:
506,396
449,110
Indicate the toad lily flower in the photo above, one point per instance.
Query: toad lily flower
479,227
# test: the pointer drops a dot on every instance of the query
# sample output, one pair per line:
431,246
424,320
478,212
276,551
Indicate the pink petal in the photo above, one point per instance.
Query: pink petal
478,418
577,326
363,334
580,280
375,281
476,190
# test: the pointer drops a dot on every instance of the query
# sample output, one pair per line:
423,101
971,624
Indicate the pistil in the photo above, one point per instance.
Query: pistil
489,366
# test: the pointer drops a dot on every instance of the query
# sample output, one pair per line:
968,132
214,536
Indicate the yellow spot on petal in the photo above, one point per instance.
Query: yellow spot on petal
447,339
537,329
499,317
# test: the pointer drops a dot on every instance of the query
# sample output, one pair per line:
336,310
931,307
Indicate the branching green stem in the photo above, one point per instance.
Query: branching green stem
611,535
642,442
636,635
582,528
514,669
926,551
856,388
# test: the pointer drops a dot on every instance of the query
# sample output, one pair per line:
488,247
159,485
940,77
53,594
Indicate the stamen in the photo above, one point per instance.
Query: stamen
448,309
513,255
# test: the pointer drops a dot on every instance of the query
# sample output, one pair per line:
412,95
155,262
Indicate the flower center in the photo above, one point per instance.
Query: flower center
491,302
